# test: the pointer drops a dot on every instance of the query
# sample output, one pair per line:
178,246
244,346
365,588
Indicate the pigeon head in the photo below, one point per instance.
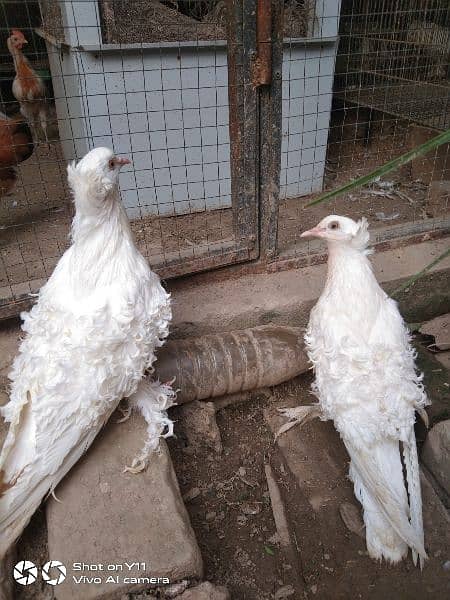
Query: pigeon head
341,230
103,165
95,179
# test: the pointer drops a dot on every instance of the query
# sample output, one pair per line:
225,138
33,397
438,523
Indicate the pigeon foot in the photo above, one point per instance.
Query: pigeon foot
125,412
298,416
138,465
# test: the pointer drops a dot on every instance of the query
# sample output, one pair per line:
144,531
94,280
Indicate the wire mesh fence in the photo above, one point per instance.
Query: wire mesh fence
149,79
390,92
179,87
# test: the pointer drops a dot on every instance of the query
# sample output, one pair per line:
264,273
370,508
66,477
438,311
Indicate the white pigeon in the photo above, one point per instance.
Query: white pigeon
366,382
89,340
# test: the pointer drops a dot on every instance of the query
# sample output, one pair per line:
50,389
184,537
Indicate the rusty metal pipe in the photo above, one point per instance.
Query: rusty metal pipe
226,363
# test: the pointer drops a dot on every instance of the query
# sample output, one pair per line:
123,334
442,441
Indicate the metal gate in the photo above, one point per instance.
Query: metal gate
236,114
368,83
168,84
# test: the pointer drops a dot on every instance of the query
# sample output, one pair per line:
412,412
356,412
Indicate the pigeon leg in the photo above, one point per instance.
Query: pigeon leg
152,399
125,412
424,416
298,416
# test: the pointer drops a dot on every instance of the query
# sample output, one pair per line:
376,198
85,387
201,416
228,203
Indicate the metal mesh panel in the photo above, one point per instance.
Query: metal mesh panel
369,83
149,79
203,99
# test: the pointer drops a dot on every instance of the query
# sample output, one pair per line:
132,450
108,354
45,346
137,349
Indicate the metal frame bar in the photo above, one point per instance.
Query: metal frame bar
270,131
241,45
243,135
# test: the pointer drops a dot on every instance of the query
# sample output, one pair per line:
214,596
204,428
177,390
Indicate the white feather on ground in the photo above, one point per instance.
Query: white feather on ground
89,340
366,382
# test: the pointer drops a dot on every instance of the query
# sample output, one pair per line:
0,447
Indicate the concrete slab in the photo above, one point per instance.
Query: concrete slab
203,306
332,553
111,518
219,301
436,454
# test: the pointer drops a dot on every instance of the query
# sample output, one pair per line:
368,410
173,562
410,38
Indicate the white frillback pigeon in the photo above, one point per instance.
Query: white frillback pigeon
366,382
88,341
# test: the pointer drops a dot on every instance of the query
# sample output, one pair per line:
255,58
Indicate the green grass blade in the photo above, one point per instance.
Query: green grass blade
415,277
386,168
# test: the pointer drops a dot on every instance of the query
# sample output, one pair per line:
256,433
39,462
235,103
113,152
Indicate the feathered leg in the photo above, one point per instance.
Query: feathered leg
43,122
28,110
152,399
125,411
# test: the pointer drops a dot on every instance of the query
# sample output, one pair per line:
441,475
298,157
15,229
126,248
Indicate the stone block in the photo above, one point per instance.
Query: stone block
110,518
436,453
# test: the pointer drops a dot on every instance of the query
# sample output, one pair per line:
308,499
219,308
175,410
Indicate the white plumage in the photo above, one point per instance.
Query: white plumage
366,382
89,340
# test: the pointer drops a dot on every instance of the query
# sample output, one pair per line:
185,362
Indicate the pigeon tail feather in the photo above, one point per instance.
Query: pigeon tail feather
379,486
415,495
18,501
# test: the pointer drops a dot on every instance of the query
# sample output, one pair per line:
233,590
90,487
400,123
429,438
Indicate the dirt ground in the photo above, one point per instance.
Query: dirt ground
29,252
403,196
231,512
41,187
231,515
223,479
35,227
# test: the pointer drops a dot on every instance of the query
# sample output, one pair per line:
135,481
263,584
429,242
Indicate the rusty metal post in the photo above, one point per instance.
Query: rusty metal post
241,38
262,67
270,135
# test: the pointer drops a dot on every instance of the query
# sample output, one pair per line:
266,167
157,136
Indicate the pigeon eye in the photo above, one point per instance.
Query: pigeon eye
334,225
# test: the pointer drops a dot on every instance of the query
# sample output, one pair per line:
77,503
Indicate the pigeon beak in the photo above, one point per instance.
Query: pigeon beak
123,161
317,232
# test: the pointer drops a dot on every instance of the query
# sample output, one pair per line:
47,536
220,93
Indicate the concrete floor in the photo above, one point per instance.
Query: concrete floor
207,303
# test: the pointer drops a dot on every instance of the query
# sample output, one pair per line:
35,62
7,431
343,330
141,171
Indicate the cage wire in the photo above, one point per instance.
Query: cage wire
363,81
146,78
354,102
